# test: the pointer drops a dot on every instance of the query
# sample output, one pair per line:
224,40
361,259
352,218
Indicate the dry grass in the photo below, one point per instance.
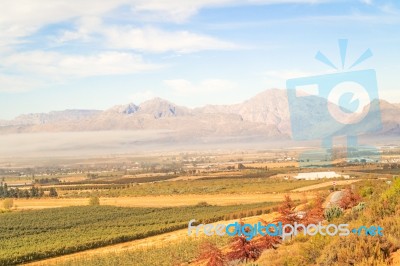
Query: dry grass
73,178
144,175
155,201
396,258
276,257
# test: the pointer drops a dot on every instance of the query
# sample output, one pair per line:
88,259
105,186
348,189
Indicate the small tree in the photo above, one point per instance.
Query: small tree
94,201
316,213
242,249
267,242
287,213
53,192
8,204
41,192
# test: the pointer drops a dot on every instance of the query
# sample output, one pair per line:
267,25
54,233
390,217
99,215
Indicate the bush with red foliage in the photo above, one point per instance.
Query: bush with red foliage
267,242
243,250
316,213
287,213
211,254
349,199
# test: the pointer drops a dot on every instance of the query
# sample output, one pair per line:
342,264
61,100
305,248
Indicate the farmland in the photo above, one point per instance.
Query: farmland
242,185
301,250
153,201
33,235
47,216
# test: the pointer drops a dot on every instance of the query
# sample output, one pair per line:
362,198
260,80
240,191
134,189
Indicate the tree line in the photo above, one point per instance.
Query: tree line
33,192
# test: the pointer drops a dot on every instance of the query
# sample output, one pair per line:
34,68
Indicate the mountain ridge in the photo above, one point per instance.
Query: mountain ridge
266,113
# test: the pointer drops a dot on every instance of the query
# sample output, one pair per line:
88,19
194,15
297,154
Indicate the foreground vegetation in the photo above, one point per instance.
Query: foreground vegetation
33,235
380,205
372,203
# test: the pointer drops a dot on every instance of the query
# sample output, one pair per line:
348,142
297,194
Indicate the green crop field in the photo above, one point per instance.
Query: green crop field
32,235
181,252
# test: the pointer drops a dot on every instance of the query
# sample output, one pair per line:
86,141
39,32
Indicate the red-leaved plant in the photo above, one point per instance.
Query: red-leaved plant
211,254
349,199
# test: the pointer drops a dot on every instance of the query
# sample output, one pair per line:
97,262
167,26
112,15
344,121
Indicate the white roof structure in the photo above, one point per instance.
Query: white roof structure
318,175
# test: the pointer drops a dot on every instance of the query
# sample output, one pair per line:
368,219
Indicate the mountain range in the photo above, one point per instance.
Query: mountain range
266,114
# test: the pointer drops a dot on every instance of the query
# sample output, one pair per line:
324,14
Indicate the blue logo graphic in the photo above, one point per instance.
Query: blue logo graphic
345,103
282,230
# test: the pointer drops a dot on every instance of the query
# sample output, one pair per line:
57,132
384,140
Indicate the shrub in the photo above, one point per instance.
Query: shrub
243,250
311,250
53,192
211,255
287,214
267,242
8,204
366,191
349,199
354,249
333,212
316,213
359,207
391,198
94,201
203,204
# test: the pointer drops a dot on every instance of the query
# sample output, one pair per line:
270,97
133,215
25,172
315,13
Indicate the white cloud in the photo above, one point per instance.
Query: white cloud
38,13
21,18
59,67
52,63
179,11
24,17
145,39
174,10
50,67
42,12
86,26
389,9
150,39
184,87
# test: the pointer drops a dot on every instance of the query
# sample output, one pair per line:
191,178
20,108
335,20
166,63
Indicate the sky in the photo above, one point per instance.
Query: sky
93,54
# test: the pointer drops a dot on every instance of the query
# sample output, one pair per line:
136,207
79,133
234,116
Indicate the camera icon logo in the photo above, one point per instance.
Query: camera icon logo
339,104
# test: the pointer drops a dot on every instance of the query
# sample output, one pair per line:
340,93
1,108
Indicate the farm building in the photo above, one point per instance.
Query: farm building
318,175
